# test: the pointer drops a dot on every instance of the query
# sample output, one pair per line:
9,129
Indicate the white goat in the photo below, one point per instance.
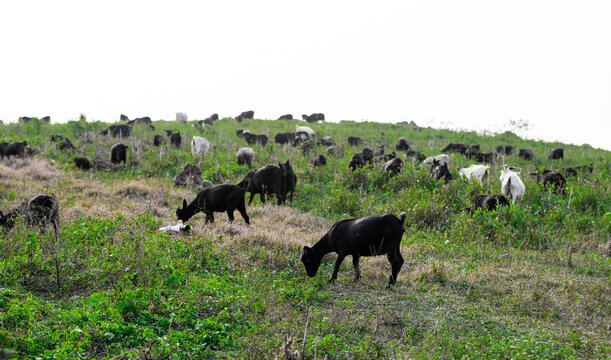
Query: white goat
181,117
512,186
199,145
442,159
306,130
479,172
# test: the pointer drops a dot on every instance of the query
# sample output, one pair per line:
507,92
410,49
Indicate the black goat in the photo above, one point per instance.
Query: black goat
62,142
314,117
490,202
505,149
526,154
319,160
253,139
118,130
245,156
487,158
551,177
269,179
354,141
157,140
38,211
356,161
175,138
455,148
393,166
284,138
440,171
366,236
219,198
18,148
118,154
245,115
415,156
556,154
402,145
82,163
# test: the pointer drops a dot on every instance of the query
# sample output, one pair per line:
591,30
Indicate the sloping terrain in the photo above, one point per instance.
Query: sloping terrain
531,281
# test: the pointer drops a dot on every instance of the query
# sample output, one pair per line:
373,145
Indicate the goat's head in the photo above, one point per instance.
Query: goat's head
185,213
310,260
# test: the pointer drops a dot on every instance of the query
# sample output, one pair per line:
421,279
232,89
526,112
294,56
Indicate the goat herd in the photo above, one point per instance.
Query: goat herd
366,236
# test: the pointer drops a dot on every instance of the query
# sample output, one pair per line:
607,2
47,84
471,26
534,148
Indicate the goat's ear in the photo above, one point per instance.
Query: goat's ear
184,203
306,250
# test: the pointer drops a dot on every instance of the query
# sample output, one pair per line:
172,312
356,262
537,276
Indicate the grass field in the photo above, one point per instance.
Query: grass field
531,281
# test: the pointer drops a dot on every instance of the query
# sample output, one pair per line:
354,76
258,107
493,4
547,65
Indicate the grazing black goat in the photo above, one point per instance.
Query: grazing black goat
393,166
118,154
245,156
439,171
455,148
17,148
245,115
175,138
253,139
319,160
415,155
219,198
38,211
157,140
526,154
366,236
490,202
269,179
556,154
82,163
62,142
505,149
356,161
354,141
551,177
121,130
402,145
284,138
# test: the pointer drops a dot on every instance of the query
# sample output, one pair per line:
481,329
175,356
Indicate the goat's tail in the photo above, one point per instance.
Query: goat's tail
402,218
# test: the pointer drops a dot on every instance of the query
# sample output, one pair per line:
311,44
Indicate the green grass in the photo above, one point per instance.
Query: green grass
527,282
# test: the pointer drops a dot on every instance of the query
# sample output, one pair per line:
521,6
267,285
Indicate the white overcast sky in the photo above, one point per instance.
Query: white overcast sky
465,64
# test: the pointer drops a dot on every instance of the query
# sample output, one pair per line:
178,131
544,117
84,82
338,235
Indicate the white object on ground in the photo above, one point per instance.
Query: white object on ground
176,228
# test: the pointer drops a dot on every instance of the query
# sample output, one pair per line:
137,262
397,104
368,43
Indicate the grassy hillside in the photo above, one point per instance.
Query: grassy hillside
531,281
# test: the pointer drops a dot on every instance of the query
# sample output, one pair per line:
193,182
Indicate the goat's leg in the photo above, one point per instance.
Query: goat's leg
338,262
357,270
396,261
242,210
262,195
56,228
209,217
280,199
230,215
252,196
